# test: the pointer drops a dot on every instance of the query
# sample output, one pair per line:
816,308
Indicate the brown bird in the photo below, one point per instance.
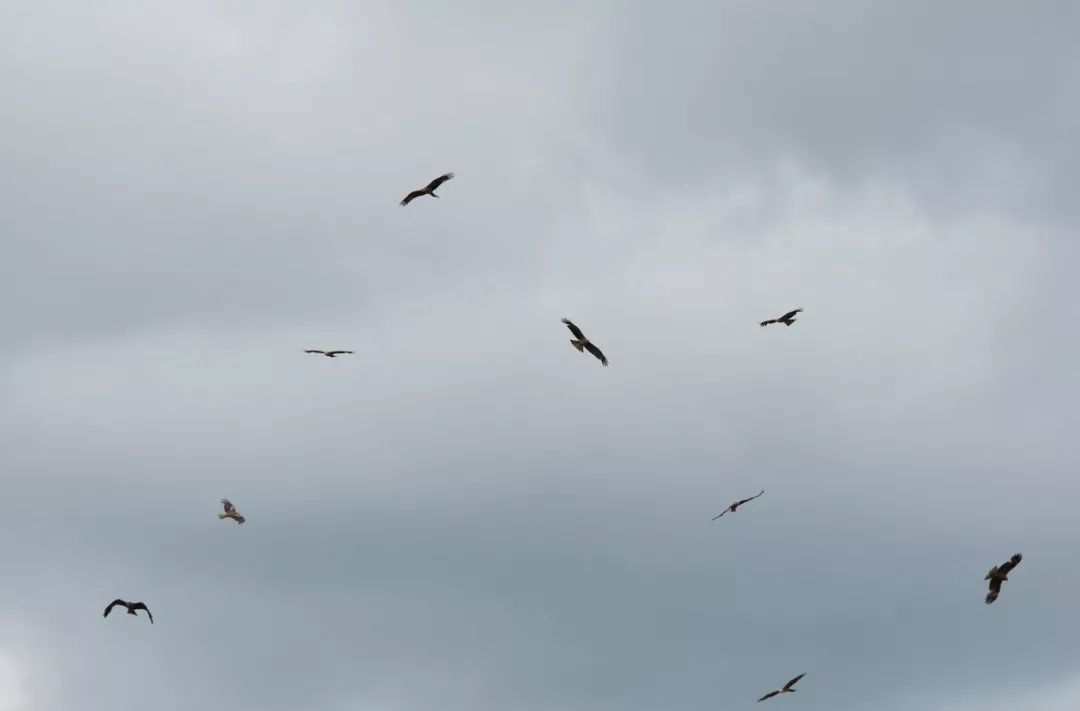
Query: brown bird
132,607
786,690
428,190
582,343
736,505
998,575
329,354
231,512
787,319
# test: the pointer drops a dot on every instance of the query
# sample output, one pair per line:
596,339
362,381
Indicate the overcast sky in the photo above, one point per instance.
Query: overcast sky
467,514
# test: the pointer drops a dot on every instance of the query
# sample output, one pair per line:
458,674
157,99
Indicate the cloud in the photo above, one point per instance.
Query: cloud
467,512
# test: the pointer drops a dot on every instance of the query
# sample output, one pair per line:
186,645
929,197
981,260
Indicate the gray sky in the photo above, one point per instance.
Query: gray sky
467,514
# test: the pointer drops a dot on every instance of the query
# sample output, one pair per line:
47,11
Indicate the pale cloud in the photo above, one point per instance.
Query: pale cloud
12,697
467,512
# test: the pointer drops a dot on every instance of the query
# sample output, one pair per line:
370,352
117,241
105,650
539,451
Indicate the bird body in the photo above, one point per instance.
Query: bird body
231,512
787,319
429,189
999,574
132,608
786,690
583,344
328,354
736,505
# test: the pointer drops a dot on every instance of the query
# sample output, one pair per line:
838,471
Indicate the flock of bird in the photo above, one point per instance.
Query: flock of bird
997,575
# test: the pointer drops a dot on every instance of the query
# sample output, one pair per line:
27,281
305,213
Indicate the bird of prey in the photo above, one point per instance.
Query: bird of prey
328,354
427,190
736,505
132,607
231,512
999,574
582,343
787,319
786,690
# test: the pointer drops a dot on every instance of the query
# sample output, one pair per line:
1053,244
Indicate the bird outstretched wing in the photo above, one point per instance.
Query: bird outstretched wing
434,184
141,606
766,323
789,315
794,681
769,695
314,351
574,330
1010,564
721,514
995,590
750,499
411,196
113,604
334,353
596,352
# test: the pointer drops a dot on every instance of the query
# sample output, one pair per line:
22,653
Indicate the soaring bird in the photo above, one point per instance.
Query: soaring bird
736,505
428,190
132,607
786,690
580,342
328,354
231,512
787,319
999,574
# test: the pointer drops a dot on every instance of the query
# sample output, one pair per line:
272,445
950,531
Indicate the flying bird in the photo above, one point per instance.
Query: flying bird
787,319
582,343
328,354
786,690
231,512
428,190
132,607
736,505
998,575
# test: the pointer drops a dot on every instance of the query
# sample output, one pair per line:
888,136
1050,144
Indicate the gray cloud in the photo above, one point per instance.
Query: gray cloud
467,513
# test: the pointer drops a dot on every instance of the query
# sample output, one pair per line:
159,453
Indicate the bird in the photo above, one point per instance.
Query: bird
132,607
328,354
427,190
998,575
787,688
231,512
736,505
582,343
787,319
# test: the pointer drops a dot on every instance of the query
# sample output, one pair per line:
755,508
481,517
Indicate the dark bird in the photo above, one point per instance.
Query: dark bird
231,512
428,190
999,574
787,319
132,607
582,343
329,354
786,690
736,505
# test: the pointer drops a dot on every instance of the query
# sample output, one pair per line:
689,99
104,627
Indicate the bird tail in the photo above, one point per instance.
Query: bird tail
577,344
